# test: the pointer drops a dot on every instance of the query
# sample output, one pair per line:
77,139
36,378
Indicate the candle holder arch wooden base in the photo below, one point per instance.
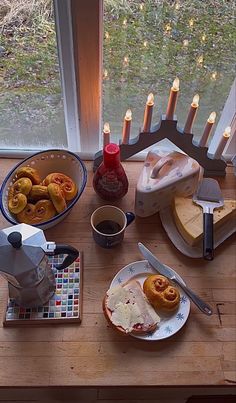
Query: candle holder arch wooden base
167,129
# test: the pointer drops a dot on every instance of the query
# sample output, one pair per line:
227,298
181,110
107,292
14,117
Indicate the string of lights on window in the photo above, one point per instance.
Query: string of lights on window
168,32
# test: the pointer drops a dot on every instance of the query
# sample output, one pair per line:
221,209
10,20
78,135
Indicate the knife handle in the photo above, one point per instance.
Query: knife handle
203,306
208,243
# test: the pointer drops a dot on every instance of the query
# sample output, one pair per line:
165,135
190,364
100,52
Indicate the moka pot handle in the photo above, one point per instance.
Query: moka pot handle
71,253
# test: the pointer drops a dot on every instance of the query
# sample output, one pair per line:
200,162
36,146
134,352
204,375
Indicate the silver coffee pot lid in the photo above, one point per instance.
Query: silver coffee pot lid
30,235
24,251
21,253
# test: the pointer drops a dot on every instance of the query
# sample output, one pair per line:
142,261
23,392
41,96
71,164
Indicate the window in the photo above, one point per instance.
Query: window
31,107
145,45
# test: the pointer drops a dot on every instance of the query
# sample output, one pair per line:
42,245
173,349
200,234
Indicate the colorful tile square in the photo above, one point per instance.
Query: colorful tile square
64,304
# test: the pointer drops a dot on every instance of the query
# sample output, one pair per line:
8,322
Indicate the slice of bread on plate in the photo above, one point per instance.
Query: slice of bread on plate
188,218
128,310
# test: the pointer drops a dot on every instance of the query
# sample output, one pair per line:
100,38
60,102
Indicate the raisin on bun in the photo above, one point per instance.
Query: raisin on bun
128,310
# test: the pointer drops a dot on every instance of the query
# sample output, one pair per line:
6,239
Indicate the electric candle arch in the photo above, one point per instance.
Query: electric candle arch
167,129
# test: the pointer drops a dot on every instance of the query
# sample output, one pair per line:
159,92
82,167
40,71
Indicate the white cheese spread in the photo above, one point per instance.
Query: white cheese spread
129,307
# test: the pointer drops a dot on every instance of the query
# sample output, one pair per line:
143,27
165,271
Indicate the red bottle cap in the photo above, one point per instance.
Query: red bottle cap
111,154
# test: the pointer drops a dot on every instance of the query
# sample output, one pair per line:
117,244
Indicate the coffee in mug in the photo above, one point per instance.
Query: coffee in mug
108,224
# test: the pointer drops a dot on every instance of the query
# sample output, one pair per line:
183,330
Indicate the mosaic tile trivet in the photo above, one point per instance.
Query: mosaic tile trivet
65,304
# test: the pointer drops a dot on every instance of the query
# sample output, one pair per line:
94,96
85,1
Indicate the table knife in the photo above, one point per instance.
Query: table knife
168,272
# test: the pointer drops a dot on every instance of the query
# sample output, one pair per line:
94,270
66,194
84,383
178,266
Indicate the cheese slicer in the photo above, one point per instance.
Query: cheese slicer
209,197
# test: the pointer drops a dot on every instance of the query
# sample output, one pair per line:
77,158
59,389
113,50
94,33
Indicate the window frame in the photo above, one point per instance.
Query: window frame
227,118
87,26
63,26
79,30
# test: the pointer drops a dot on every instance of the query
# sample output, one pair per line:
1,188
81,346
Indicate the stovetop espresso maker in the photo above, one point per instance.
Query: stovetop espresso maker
24,264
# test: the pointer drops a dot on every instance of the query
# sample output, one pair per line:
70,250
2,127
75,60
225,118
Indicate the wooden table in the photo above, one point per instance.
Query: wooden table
199,359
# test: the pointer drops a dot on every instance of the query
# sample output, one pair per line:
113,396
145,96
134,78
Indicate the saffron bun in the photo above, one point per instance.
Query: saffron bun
69,189
127,309
160,293
22,185
66,184
17,203
27,214
56,177
30,173
38,192
57,197
43,210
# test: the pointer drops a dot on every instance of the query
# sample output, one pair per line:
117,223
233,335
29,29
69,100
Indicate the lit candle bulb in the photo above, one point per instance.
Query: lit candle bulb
168,27
191,22
222,143
148,113
200,60
177,5
105,74
126,127
192,114
207,130
126,61
106,134
214,75
172,99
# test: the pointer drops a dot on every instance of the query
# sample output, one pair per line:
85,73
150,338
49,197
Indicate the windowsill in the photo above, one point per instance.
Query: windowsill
15,154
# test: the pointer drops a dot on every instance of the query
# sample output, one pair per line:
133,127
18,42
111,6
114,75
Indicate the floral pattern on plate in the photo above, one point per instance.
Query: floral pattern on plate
169,324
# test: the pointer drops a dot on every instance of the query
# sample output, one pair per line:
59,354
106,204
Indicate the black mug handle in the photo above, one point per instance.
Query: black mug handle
130,217
71,253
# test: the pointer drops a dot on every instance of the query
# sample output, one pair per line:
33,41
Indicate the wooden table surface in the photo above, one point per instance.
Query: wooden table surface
92,354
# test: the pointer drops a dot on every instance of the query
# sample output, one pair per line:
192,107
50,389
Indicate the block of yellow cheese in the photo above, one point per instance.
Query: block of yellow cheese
188,217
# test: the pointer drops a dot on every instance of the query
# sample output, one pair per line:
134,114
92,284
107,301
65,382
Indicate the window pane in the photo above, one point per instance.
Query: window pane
146,45
31,109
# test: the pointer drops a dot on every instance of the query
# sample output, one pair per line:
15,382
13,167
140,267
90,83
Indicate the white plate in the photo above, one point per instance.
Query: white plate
220,234
169,324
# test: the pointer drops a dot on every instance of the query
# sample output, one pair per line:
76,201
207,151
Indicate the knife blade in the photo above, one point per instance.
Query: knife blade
168,272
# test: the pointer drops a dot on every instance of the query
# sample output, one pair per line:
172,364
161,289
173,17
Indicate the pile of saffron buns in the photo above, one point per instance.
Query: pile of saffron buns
34,200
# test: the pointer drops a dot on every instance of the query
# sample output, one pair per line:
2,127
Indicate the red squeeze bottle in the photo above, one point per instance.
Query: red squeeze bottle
110,181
